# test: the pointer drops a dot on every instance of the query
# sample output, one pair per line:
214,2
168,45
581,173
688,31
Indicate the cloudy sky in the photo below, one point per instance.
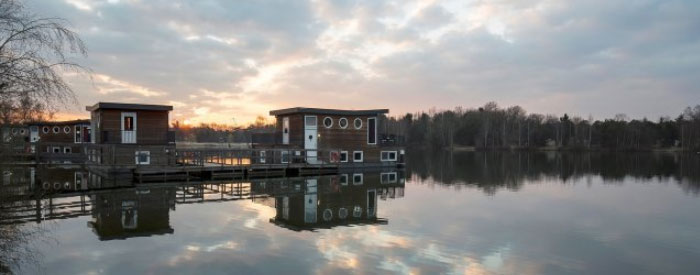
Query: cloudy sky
228,61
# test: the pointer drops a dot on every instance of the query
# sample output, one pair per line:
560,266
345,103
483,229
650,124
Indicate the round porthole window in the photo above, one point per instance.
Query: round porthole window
14,131
56,130
343,213
328,122
343,122
66,129
45,129
357,211
327,214
22,131
358,123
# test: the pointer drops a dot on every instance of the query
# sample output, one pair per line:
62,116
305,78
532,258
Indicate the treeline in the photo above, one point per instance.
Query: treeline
491,127
492,171
213,132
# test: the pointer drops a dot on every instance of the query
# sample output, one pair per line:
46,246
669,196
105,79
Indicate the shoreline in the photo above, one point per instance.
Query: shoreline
559,149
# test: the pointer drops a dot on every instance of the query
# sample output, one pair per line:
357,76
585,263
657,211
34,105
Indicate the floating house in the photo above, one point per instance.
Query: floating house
56,138
130,134
51,141
347,137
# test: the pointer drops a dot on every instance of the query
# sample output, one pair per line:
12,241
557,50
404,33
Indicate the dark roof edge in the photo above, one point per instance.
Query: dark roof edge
319,111
65,122
128,106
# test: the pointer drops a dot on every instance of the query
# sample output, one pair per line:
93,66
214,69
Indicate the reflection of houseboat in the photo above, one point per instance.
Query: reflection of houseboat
330,201
128,213
347,137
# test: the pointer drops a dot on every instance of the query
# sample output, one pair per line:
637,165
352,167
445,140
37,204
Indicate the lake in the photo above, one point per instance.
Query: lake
454,213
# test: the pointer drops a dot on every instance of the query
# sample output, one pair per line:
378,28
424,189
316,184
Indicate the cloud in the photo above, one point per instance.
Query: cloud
578,56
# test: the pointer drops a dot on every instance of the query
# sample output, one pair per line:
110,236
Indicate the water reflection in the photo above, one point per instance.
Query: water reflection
491,171
123,209
469,212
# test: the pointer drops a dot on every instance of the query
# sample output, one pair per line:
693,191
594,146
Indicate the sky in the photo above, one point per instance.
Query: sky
230,61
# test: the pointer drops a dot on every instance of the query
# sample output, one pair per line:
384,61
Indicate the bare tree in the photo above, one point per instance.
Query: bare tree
34,54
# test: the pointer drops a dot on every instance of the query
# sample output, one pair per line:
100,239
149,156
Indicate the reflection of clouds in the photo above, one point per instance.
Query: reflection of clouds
375,248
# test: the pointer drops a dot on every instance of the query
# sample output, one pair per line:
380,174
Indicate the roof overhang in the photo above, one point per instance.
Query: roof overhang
67,122
318,111
128,106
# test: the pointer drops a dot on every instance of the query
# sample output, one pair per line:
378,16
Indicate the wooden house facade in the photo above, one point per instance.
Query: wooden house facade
348,137
59,137
130,134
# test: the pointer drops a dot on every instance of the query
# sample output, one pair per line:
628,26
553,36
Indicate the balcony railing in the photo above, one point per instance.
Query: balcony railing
148,136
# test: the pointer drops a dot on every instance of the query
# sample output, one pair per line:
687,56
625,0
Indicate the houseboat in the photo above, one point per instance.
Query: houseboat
350,138
59,141
130,134
49,141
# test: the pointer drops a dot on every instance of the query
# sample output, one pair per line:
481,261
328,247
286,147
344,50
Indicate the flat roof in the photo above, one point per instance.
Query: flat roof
66,122
319,111
128,106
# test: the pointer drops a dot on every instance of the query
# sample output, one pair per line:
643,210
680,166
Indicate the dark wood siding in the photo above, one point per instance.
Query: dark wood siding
151,126
335,138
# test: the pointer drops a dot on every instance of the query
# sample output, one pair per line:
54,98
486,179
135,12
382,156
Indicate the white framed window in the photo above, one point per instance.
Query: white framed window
14,131
388,156
262,156
56,149
284,157
372,130
358,156
328,122
388,177
56,129
66,129
45,129
343,122
357,179
22,131
358,123
343,179
143,157
310,121
67,150
344,156
78,137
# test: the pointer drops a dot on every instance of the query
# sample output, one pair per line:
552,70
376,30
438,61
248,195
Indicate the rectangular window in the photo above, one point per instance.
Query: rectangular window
388,177
357,179
87,134
67,150
344,179
262,156
56,149
358,156
372,130
78,137
143,157
343,156
284,157
388,156
128,123
310,121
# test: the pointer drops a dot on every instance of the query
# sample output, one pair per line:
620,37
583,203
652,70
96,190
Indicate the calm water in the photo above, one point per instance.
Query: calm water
465,213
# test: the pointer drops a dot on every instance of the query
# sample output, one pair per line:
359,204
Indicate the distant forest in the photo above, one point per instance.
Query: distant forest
491,127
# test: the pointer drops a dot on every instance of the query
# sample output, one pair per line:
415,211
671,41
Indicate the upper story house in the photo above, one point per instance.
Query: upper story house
349,137
141,131
123,123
